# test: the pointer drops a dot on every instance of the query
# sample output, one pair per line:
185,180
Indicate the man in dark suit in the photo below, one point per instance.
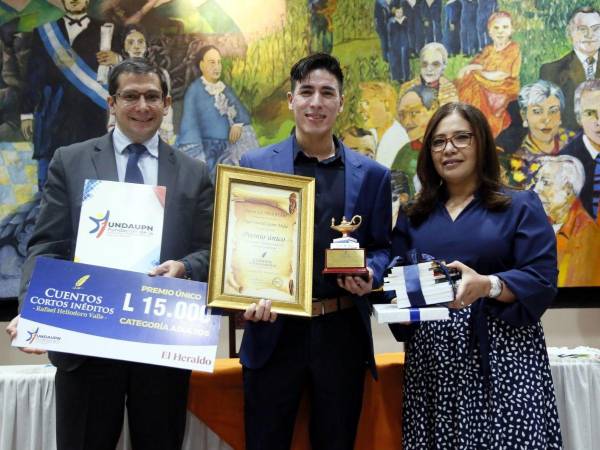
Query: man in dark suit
485,9
586,146
62,101
91,392
328,353
468,32
382,13
578,65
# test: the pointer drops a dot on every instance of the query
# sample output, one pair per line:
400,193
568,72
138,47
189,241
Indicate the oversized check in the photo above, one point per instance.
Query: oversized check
97,311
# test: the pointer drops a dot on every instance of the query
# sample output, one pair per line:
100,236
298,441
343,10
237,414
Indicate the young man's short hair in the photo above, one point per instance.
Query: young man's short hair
316,61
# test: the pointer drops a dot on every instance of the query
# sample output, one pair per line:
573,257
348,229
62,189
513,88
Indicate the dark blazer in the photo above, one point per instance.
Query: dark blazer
577,149
567,73
382,13
468,28
399,51
188,210
368,193
484,10
431,21
62,114
451,27
416,34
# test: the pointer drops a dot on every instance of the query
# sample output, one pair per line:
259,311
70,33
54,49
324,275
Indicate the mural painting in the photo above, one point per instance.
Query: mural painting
530,65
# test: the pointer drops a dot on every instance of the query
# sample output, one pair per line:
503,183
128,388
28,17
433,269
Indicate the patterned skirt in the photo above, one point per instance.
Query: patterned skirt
447,405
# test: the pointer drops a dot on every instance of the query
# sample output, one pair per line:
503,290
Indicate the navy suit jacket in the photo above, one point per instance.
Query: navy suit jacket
368,194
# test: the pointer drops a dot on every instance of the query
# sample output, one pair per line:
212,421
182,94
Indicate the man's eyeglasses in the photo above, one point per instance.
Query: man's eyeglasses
459,140
152,98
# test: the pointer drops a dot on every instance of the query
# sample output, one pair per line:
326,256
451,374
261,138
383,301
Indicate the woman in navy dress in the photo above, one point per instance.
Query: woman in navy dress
482,378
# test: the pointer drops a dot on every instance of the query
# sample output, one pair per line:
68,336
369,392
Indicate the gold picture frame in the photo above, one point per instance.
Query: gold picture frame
262,240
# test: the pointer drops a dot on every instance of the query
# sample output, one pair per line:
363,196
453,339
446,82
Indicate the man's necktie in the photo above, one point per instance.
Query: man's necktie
133,174
589,71
596,191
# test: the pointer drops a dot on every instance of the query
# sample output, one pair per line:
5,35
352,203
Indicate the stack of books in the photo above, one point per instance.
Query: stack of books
417,287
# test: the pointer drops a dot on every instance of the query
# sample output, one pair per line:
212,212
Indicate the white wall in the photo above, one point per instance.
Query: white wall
563,327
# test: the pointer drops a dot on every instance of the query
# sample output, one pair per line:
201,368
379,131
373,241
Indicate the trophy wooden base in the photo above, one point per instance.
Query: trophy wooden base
357,271
346,261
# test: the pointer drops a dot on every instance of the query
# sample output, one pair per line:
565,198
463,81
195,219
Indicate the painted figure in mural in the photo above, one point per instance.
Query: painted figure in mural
485,9
541,104
468,32
412,11
382,14
399,50
433,59
481,379
328,354
578,65
143,13
215,126
91,393
360,140
415,108
586,146
61,84
376,107
451,27
321,25
558,183
11,83
431,20
491,80
135,45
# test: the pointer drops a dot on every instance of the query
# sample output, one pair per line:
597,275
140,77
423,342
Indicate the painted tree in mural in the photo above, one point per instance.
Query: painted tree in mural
530,65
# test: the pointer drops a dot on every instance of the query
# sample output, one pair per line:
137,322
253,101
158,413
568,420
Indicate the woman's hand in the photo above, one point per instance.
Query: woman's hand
472,285
468,69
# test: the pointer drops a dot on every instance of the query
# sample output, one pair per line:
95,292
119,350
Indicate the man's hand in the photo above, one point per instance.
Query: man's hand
235,132
357,285
27,129
472,285
261,312
170,268
107,58
11,330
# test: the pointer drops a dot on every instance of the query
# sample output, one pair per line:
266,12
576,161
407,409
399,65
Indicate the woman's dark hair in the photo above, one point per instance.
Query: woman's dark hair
433,187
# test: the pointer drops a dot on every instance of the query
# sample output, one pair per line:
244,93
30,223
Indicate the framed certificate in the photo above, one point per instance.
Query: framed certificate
262,240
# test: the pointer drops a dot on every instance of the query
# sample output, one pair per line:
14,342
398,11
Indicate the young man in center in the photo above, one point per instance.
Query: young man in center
328,353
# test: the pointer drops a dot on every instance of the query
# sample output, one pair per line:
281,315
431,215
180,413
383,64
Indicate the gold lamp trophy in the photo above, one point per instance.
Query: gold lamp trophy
344,255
